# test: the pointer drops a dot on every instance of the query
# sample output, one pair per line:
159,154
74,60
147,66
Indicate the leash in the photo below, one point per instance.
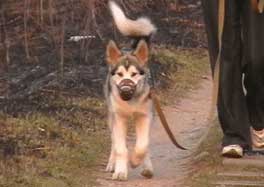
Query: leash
254,5
216,77
216,71
163,120
257,5
157,106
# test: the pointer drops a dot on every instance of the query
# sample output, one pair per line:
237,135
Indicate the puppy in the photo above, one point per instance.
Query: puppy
127,93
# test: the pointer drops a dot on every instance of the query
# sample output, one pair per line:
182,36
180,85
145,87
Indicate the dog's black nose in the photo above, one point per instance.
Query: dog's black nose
126,89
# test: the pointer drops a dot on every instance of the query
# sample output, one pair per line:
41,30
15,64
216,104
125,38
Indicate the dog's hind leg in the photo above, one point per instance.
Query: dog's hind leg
142,142
120,148
147,167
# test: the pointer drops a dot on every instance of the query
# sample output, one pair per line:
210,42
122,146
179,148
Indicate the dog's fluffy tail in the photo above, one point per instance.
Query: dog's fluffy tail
142,27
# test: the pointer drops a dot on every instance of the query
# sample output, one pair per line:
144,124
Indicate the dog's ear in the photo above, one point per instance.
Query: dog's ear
112,53
142,52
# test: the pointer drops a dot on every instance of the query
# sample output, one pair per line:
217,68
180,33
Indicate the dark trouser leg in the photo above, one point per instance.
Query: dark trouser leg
210,9
254,75
232,109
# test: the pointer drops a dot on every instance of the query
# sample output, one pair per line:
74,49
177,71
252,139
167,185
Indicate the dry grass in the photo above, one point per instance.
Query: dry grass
54,140
206,167
58,145
180,71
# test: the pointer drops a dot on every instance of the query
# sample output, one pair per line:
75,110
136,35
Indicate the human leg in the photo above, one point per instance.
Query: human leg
232,108
254,75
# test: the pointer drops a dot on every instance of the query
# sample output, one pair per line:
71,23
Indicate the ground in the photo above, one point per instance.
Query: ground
212,170
53,116
60,138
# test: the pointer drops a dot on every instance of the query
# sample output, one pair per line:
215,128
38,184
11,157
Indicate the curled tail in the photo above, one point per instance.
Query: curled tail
141,28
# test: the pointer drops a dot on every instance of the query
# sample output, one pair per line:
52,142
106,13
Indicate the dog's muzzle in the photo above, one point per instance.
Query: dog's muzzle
126,89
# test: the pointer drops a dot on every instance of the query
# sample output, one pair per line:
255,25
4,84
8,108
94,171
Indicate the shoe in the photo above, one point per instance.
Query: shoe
232,151
257,138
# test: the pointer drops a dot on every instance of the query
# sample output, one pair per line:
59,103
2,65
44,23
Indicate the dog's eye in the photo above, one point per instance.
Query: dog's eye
133,74
120,74
141,72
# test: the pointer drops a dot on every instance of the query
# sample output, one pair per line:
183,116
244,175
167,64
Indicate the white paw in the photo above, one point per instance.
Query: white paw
121,170
121,176
110,167
147,173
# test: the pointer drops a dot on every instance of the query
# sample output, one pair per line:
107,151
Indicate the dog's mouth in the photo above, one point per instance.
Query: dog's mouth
126,89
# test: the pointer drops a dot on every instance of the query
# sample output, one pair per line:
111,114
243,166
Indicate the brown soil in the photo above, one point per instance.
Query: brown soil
188,120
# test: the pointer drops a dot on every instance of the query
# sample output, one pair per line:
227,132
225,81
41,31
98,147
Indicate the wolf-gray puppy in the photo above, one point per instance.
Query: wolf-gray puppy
127,92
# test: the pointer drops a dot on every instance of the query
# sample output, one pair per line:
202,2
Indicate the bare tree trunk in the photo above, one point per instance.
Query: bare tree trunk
26,15
2,40
72,12
41,13
7,53
6,42
62,49
95,23
178,2
51,13
87,30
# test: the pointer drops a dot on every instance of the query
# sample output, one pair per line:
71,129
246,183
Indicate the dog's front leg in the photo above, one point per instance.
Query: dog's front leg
111,162
120,148
147,167
142,130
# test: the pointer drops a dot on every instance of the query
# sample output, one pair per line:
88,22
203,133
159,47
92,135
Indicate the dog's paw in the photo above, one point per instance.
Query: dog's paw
110,167
147,173
120,176
121,170
136,160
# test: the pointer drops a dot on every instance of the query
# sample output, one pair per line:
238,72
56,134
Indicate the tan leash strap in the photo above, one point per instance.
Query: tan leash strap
254,5
163,120
216,75
257,5
261,6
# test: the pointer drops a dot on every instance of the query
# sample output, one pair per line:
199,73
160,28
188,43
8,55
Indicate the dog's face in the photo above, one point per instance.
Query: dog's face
128,69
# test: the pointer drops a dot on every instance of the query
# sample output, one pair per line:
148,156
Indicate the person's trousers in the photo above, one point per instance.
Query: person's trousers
237,111
253,34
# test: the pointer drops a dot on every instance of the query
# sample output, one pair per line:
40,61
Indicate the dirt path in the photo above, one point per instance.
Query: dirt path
187,119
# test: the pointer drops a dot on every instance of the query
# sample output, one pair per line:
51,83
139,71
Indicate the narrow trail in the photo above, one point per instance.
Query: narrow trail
188,121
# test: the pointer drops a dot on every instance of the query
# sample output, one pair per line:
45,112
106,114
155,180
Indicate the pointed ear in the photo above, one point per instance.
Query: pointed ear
112,52
142,51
